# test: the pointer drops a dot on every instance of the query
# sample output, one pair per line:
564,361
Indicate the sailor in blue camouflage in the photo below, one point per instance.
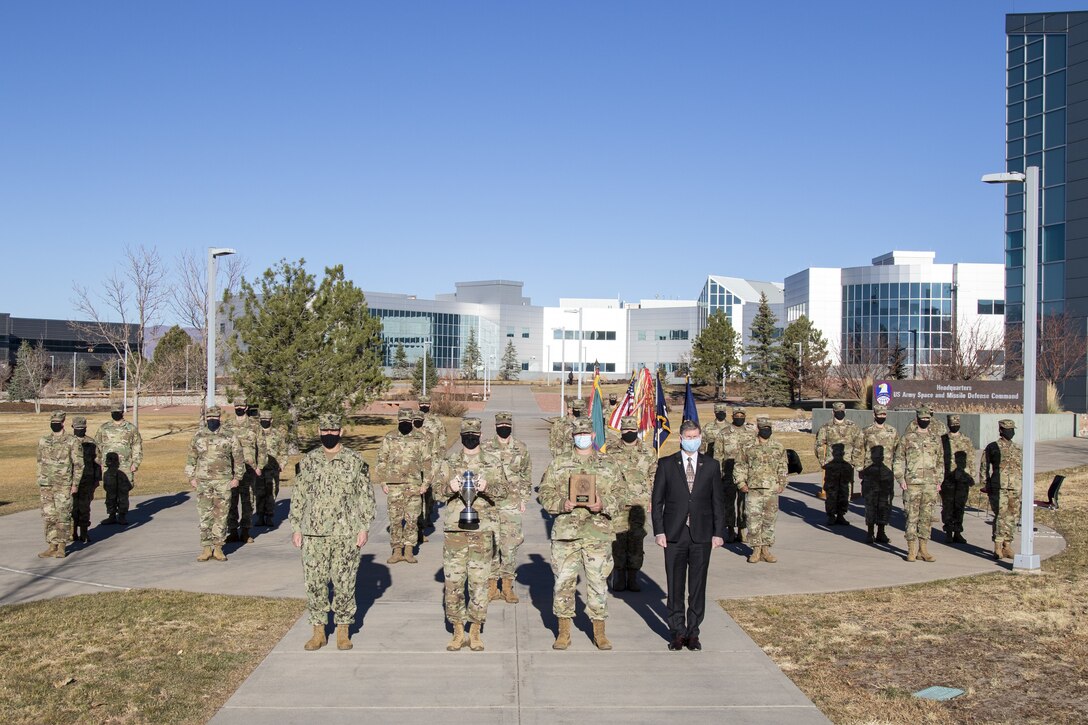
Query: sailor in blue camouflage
60,466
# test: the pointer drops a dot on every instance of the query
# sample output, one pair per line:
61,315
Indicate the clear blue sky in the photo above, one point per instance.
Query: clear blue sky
586,148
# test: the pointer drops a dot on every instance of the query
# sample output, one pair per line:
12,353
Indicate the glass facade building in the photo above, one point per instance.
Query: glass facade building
915,317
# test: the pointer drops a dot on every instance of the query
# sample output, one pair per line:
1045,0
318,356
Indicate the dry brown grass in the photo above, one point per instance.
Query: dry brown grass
146,656
1017,644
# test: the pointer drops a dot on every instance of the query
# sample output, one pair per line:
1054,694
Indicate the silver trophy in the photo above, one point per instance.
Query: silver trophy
470,518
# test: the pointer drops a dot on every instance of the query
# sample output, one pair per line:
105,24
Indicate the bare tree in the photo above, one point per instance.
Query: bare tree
1062,349
862,362
31,372
135,294
974,354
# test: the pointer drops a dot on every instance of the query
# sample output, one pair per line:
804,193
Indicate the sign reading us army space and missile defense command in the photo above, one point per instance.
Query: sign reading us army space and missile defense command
997,395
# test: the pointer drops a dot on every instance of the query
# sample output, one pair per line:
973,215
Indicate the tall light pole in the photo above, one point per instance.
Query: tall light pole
581,352
1027,559
562,374
914,339
214,253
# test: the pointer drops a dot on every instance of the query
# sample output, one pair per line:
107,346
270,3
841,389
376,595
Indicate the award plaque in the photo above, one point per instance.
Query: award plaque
583,489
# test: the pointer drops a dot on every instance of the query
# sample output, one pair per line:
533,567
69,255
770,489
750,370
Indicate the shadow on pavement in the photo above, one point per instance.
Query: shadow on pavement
371,582
648,604
537,575
142,513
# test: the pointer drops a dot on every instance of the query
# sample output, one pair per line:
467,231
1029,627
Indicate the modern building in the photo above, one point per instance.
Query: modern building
63,342
1046,124
739,299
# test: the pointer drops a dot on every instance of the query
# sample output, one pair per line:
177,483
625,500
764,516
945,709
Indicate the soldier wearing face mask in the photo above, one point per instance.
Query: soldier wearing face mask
637,464
402,468
730,441
240,515
517,466
60,467
761,472
919,468
560,436
846,432
431,427
120,437
274,442
883,435
213,468
955,488
713,428
1002,468
88,482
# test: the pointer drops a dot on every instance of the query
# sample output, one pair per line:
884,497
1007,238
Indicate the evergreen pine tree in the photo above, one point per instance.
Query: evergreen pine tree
715,348
471,360
417,375
401,368
767,382
511,368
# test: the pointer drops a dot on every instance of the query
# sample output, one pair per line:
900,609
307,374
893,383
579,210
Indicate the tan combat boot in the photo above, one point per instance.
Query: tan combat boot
408,556
756,556
493,590
999,550
562,640
205,554
217,553
59,552
923,550
317,641
48,553
1006,550
395,556
508,590
767,555
821,494
474,642
342,639
912,550
599,638
458,640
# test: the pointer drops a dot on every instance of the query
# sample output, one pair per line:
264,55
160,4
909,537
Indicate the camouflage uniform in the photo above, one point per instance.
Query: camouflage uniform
1002,469
637,465
468,553
88,482
713,428
332,503
919,465
122,438
878,478
403,463
242,496
761,472
730,442
559,438
955,487
849,434
581,537
215,463
517,467
432,427
60,468
274,441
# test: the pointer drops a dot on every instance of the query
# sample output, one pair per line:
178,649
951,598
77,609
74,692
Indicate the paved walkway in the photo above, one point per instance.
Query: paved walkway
399,668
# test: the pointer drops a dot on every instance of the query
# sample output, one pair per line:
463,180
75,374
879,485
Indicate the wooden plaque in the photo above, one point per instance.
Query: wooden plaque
583,489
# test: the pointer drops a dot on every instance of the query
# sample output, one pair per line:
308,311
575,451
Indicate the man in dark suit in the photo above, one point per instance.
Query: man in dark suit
688,512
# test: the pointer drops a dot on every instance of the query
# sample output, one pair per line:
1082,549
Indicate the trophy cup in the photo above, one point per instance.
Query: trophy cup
470,518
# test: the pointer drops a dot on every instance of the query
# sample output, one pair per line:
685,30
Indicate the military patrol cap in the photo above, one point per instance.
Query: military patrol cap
424,400
471,425
328,421
417,414
612,397
763,422
878,408
404,414
57,416
953,419
628,422
739,410
79,422
117,407
213,412
1007,424
265,415
240,403
504,417
578,404
582,425
923,412
838,406
721,408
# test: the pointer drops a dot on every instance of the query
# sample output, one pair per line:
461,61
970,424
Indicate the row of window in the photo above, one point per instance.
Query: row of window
893,323
575,367
991,307
524,332
862,308
557,334
897,290
662,335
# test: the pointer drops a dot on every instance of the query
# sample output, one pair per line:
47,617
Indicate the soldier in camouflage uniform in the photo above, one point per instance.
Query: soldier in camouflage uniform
88,482
404,461
468,553
883,435
878,487
847,432
918,468
728,444
332,507
254,453
60,468
436,432
213,468
637,464
274,441
1002,469
955,487
560,436
714,427
120,437
581,534
517,466
762,474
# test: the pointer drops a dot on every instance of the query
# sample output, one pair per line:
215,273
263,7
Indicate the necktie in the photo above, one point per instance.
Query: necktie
691,475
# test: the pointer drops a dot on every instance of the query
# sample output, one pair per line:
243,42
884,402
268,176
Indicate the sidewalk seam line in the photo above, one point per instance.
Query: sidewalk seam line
64,579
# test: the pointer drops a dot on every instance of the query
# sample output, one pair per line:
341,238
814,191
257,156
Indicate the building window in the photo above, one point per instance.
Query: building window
525,367
991,307
642,336
509,331
525,333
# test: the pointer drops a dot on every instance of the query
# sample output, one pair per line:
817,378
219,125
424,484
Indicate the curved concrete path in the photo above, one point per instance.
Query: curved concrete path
399,668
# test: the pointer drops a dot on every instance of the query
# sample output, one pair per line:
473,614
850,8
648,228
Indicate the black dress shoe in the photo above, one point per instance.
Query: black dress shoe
677,643
694,644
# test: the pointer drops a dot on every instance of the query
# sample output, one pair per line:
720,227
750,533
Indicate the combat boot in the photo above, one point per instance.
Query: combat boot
869,534
632,581
881,537
109,520
83,536
821,494
317,641
830,520
342,639
619,580
756,556
562,640
458,640
122,520
217,553
912,550
767,555
408,556
60,553
923,550
493,590
599,638
957,538
1006,550
395,556
840,520
48,553
999,550
245,537
508,592
206,554
474,642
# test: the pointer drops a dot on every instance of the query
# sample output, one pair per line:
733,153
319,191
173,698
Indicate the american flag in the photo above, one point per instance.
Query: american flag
624,407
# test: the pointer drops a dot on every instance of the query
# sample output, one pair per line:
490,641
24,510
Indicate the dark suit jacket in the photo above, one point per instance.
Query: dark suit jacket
671,504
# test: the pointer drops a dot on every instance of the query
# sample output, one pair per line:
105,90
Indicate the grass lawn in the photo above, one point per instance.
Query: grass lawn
1017,644
145,656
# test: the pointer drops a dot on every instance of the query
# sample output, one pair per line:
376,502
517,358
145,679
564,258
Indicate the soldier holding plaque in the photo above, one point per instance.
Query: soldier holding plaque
581,489
473,480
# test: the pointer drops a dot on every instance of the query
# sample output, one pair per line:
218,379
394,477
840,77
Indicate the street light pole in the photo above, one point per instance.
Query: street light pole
1027,559
562,374
914,339
214,253
581,352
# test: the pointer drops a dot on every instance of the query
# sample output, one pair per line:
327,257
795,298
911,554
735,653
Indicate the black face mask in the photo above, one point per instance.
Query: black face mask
719,416
839,414
117,416
764,433
880,419
266,424
953,429
1006,433
577,413
417,423
923,424
739,422
629,436
503,431
213,424
240,412
470,441
56,427
424,409
80,432
405,427
329,440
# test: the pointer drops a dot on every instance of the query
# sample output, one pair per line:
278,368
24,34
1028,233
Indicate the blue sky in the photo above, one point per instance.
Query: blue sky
588,149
